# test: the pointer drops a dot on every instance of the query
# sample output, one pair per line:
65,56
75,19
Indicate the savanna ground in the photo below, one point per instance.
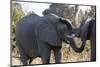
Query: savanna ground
68,54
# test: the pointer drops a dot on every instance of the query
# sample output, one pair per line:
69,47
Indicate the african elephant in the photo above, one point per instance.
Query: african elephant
37,35
87,31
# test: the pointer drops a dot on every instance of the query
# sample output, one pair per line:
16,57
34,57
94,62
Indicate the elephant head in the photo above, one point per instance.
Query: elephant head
68,36
59,29
87,31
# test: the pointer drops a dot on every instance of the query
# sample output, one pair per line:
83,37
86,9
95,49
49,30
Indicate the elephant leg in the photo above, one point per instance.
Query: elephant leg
93,48
30,60
44,50
24,57
57,54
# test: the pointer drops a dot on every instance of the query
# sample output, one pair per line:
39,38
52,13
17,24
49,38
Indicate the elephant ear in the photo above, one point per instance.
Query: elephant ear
67,22
48,34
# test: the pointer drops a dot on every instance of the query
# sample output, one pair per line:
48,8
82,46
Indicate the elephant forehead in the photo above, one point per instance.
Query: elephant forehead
88,20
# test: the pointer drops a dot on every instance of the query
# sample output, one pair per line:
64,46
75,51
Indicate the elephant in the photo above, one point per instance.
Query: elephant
37,35
87,31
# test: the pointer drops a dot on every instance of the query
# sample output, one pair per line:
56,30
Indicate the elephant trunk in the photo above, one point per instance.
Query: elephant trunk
76,32
74,46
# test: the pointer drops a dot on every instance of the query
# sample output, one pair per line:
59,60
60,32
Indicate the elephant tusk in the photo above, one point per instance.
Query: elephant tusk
70,36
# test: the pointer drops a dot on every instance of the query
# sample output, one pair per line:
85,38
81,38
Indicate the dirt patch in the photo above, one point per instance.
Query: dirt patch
68,55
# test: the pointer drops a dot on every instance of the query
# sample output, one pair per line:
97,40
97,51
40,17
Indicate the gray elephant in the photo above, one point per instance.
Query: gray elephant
87,31
37,35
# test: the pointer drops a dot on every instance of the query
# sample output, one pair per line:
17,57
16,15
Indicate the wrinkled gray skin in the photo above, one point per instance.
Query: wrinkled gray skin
36,36
87,31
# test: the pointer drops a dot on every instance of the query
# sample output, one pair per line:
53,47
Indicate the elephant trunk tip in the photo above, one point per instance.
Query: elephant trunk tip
80,49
